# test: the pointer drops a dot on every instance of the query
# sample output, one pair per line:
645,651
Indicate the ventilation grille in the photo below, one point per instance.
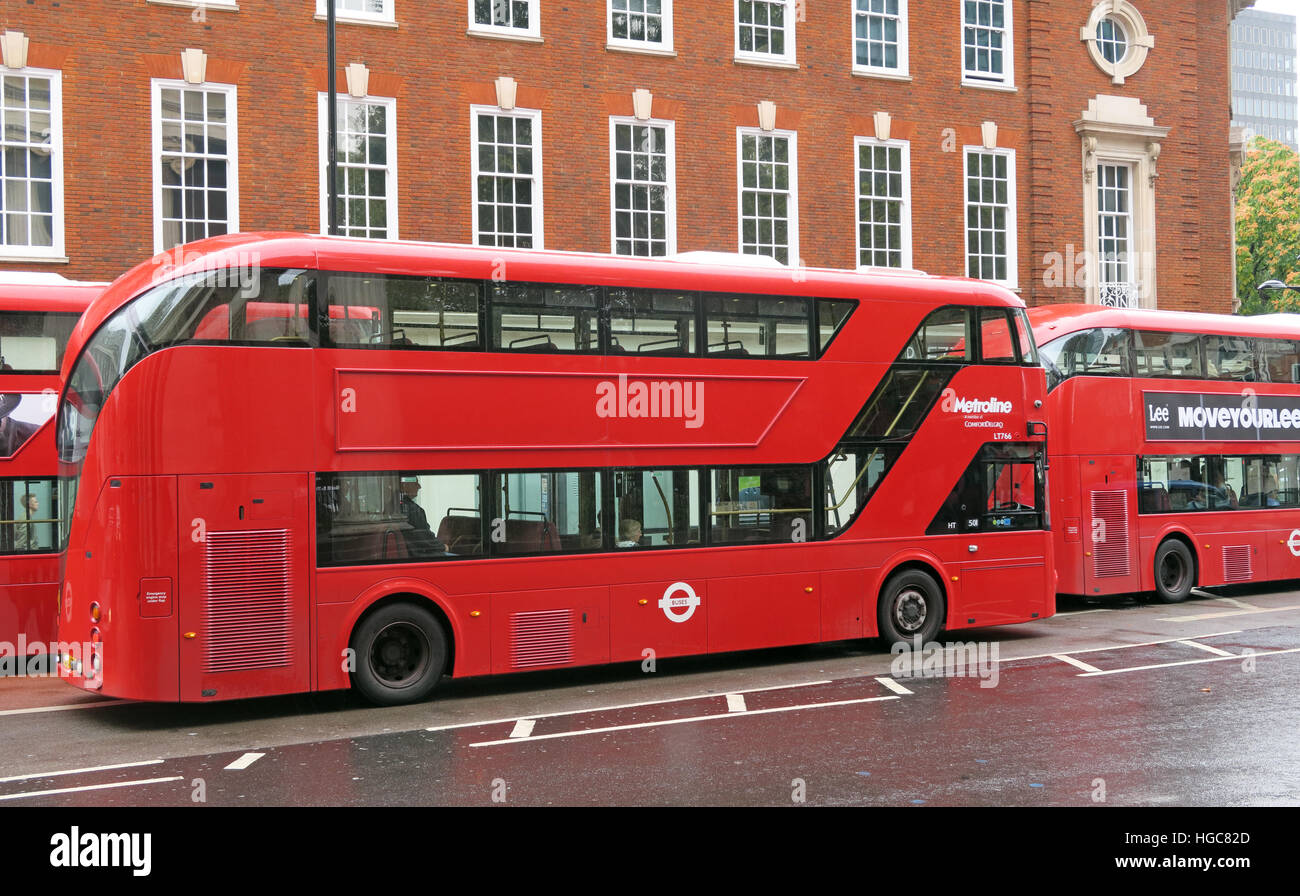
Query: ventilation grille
543,638
247,612
1236,563
1110,554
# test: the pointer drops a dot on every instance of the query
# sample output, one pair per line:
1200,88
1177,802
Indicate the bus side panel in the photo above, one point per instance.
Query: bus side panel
244,588
1110,531
844,594
550,629
660,616
1282,550
1067,525
748,612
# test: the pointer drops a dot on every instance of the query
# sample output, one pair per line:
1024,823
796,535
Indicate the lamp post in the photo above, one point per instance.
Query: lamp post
332,124
1276,284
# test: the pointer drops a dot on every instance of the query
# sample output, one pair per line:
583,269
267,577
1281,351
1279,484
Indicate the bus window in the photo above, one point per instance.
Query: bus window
1279,361
943,336
830,317
900,404
852,474
531,318
756,326
546,512
652,322
379,311
770,504
1168,354
1230,358
997,346
656,508
1099,352
220,306
396,517
33,341
30,516
1002,489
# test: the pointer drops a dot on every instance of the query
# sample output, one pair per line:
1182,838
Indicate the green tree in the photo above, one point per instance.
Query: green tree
1268,227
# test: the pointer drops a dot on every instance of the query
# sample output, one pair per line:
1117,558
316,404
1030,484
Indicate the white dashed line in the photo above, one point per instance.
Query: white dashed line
244,762
664,723
735,703
1078,664
1208,648
34,793
893,685
1212,659
62,707
1224,613
78,771
523,728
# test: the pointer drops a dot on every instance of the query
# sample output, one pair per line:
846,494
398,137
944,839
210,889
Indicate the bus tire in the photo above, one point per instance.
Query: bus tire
1175,571
911,606
401,652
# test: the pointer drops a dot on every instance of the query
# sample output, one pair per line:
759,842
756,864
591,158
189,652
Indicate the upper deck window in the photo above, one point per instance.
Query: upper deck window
380,311
33,341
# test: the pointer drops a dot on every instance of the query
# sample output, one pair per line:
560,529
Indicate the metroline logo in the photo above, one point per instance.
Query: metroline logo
952,404
653,398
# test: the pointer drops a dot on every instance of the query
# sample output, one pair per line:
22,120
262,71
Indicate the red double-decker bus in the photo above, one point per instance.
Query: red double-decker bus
37,314
308,462
1175,448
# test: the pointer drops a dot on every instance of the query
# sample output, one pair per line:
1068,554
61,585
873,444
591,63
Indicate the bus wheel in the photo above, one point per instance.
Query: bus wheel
1174,576
911,606
400,655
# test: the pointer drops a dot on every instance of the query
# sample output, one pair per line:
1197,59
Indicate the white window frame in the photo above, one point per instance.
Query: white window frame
670,223
905,214
1013,278
539,220
55,251
793,216
784,60
223,5
901,70
976,79
391,193
532,32
232,152
359,16
646,46
1131,258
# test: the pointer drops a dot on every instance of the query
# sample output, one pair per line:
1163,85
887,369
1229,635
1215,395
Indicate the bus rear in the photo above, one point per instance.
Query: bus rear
37,314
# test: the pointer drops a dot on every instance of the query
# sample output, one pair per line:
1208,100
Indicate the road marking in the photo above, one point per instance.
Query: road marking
1207,647
32,793
523,728
735,703
1078,664
62,708
1224,613
1083,612
1212,659
666,722
244,762
1039,656
78,771
893,685
575,712
1236,603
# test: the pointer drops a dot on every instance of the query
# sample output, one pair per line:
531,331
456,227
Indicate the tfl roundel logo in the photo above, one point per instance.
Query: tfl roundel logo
679,609
1294,542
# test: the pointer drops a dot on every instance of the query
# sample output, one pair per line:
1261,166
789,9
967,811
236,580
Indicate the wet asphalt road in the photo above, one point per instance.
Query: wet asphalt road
1115,704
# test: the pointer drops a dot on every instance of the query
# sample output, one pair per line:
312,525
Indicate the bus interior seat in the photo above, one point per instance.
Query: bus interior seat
348,332
268,329
461,534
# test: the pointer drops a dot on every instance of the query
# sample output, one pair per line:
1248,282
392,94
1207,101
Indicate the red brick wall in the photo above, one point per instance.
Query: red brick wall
274,51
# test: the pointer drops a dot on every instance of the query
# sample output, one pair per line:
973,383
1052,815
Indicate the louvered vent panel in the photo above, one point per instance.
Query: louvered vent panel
1110,553
1236,563
247,609
542,638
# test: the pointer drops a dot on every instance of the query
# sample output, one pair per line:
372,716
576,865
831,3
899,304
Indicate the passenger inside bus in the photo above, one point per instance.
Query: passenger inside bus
629,533
420,540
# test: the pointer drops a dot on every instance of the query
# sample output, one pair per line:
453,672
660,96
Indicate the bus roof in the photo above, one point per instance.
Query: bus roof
41,291
1051,321
235,252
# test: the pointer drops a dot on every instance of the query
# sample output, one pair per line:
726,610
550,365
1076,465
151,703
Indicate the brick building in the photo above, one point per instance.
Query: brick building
1074,150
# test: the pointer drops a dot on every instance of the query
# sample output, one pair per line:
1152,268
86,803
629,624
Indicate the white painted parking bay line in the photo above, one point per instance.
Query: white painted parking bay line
893,685
33,793
578,712
62,707
523,728
735,703
666,722
1212,659
244,762
1039,656
78,771
1078,664
1222,613
1209,648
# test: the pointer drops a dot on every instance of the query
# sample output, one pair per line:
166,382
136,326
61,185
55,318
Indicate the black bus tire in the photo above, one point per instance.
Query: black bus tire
911,605
1175,571
400,654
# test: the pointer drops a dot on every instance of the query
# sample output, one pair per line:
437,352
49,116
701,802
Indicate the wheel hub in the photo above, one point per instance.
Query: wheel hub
910,610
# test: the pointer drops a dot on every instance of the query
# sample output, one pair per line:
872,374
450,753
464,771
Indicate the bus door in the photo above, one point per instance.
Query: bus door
243,596
1110,531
